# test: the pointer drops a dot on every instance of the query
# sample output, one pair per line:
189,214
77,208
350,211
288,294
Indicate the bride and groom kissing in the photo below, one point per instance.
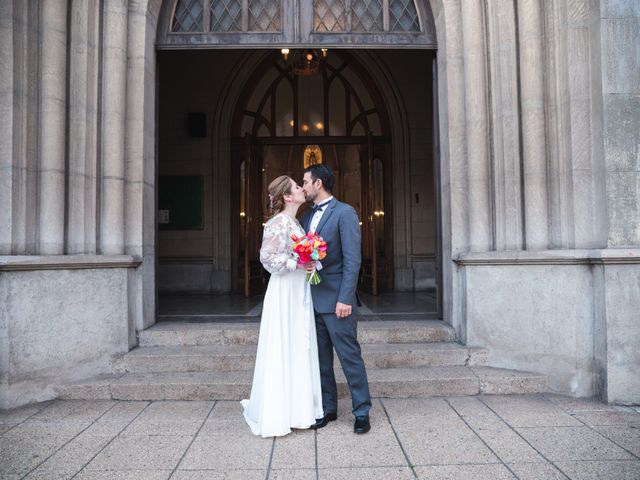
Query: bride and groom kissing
294,386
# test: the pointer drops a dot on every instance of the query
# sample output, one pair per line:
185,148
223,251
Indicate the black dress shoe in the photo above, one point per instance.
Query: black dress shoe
362,424
322,422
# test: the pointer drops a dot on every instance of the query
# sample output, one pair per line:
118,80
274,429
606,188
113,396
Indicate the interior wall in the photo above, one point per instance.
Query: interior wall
413,76
191,81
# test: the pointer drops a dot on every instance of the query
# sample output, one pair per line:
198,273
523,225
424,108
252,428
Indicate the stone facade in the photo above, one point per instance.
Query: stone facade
539,188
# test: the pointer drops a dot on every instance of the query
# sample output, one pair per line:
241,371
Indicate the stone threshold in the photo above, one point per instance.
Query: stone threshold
9,263
608,256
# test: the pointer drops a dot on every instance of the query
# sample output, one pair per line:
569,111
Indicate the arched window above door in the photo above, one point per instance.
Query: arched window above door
219,16
365,16
282,23
339,101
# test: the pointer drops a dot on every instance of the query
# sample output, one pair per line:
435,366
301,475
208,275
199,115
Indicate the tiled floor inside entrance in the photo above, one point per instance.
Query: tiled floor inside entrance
237,308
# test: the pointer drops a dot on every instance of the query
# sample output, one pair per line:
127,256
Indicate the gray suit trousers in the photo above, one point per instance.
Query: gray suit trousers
341,334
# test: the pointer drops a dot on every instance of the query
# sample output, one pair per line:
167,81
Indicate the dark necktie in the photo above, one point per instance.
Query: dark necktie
318,208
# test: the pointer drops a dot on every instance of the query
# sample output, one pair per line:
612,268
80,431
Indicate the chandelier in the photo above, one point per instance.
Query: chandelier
304,62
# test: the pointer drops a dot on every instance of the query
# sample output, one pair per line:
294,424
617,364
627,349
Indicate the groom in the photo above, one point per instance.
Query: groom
334,297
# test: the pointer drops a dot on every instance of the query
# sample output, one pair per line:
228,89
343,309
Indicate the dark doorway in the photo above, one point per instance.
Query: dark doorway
289,118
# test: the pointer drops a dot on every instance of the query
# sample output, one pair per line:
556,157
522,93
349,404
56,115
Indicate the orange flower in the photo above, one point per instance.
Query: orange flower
309,247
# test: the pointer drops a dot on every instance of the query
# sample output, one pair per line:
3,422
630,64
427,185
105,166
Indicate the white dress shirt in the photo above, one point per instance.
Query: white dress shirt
315,220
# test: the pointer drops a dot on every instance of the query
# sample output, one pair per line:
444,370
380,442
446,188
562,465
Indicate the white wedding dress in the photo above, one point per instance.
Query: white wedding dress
286,390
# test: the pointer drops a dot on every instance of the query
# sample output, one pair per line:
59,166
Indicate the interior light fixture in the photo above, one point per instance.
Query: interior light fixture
304,62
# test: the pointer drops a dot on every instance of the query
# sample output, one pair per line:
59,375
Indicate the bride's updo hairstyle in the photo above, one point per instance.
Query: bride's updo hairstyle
280,187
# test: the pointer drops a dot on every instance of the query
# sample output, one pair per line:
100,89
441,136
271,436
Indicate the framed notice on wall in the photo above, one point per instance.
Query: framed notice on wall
181,202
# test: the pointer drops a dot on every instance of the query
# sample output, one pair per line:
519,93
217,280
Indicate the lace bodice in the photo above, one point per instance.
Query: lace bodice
275,253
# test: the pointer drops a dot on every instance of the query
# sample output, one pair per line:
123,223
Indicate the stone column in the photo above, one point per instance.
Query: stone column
77,126
6,125
26,23
533,125
505,124
452,88
583,69
51,197
620,53
477,124
114,84
140,211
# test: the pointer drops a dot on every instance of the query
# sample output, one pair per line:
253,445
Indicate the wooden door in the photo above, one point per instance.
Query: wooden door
251,219
376,272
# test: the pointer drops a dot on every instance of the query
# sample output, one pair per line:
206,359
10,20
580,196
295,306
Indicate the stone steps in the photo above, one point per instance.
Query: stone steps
220,358
235,385
212,360
210,333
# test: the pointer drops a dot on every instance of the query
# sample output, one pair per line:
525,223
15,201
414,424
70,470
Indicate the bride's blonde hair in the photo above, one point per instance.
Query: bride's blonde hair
280,187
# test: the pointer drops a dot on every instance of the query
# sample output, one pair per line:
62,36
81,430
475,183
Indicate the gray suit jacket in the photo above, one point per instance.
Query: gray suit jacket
340,228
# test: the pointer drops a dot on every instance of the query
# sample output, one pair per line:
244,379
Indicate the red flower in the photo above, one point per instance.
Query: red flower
310,247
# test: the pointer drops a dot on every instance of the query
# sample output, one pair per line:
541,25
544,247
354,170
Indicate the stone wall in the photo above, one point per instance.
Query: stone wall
77,177
539,158
571,314
619,40
61,319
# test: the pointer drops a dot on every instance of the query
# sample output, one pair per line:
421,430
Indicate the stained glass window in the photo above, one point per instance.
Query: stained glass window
336,101
366,16
264,16
227,16
187,16
403,16
362,16
329,16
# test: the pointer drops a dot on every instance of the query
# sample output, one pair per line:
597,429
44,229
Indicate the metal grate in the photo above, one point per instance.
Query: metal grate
188,16
264,15
329,16
366,16
226,16
403,16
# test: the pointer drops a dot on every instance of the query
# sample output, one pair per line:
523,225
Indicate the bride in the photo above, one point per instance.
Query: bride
286,390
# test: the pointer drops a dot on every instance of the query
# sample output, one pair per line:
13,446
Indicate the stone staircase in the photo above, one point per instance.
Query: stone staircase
200,361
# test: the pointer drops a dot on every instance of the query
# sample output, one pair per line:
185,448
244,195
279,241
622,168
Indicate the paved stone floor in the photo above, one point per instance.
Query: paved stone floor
487,437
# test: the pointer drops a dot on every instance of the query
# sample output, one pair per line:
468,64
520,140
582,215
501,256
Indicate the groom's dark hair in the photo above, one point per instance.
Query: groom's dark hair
324,173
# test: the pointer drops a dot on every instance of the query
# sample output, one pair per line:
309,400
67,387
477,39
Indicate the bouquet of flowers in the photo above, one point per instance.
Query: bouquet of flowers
307,248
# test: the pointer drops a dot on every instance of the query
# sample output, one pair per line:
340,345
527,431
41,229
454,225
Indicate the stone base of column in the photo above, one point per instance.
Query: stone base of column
62,318
571,314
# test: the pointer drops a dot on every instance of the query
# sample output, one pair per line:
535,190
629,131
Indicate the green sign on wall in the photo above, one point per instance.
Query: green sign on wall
181,202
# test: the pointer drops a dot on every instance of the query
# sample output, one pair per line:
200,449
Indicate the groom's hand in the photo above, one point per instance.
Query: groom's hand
343,310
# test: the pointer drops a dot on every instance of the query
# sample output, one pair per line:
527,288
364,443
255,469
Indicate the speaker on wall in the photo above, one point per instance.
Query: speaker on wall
197,124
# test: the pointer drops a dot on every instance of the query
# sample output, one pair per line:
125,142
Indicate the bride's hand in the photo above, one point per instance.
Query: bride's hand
308,267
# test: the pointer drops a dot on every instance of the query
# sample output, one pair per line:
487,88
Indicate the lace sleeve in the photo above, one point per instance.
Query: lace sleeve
275,253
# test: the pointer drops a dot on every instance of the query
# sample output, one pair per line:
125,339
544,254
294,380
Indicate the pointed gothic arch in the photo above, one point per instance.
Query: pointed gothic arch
149,24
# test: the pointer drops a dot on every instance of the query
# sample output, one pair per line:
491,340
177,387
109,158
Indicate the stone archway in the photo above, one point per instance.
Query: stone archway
402,253
475,179
156,16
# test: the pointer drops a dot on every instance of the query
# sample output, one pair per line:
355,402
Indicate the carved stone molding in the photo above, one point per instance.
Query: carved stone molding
552,257
66,262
